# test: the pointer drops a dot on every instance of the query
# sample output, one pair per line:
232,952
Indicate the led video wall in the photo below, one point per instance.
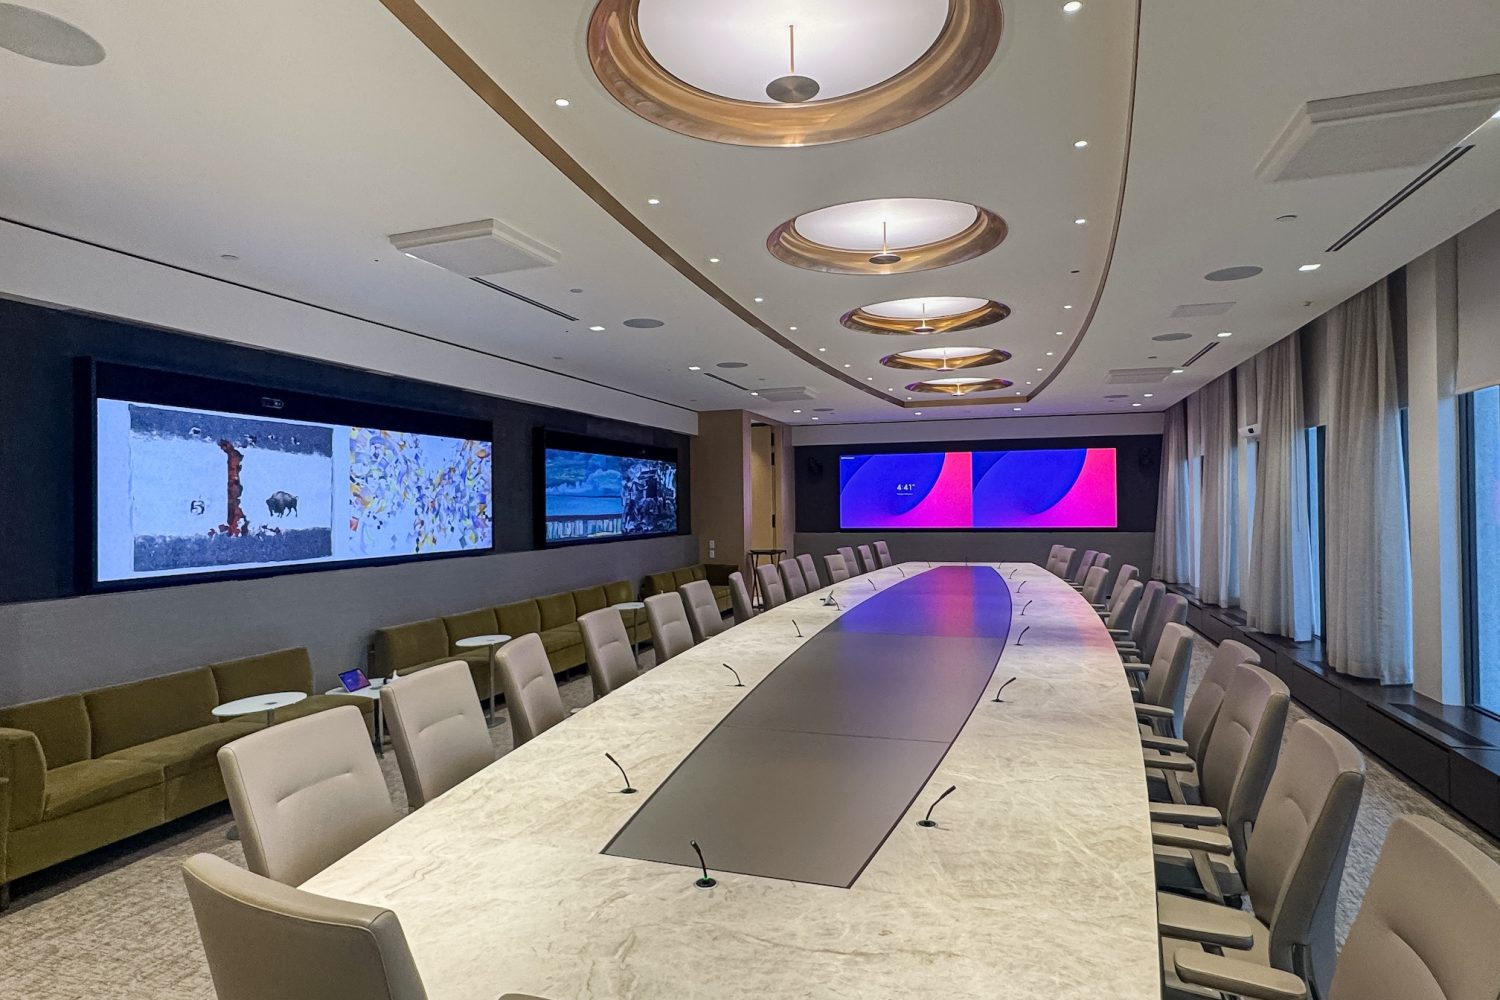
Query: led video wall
590,495
1070,488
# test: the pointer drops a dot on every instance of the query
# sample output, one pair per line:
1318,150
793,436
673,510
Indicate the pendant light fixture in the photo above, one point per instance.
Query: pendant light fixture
885,256
925,327
792,88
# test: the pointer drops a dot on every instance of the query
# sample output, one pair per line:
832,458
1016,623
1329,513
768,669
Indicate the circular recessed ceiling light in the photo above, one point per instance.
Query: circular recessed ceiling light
759,299
1135,404
653,201
45,38
1072,7
796,411
1179,371
1080,144
562,102
918,413
945,358
695,368
597,329
1080,222
732,364
1067,307
1172,336
959,385
1237,273
644,323
754,393
750,74
928,315
1227,333
713,260
1050,353
1309,267
1016,408
887,236
1148,395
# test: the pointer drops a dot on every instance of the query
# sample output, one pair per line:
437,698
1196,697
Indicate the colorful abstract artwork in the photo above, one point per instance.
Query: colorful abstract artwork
590,496
414,493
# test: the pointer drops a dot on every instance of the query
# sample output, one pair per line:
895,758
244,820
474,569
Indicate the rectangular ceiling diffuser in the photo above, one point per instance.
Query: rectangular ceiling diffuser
474,249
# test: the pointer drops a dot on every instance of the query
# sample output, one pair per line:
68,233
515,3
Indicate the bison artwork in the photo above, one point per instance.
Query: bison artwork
281,503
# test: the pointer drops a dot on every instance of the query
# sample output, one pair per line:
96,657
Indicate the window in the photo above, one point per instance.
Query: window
1317,439
1483,548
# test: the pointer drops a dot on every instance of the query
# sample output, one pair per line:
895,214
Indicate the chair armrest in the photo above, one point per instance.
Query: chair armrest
22,761
1206,923
1166,744
1136,667
1185,815
1165,762
1235,975
1119,631
1189,839
1155,711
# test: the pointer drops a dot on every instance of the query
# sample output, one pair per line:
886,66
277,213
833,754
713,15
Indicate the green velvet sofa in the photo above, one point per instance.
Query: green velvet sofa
715,573
419,645
85,770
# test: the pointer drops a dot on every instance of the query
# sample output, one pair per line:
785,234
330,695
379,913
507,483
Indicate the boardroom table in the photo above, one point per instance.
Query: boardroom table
538,876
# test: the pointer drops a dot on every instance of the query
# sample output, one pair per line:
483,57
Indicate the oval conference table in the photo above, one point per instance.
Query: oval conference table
804,789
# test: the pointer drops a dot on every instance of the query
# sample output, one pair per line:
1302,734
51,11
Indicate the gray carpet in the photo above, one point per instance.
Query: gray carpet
117,925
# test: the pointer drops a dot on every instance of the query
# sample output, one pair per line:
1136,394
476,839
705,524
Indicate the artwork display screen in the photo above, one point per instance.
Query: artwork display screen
189,491
590,496
1041,488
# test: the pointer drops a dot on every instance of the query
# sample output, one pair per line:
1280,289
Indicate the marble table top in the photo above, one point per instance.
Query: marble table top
1037,884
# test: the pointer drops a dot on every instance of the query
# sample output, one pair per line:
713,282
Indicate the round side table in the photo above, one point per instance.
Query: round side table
267,703
494,642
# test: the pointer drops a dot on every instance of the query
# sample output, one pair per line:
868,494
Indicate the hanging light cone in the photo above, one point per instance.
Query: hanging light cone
885,256
926,327
792,88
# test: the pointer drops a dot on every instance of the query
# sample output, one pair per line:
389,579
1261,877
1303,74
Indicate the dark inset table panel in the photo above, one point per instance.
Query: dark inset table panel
807,807
907,687
949,600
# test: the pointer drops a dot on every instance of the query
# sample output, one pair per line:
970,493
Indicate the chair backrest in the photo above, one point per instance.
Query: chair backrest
1143,612
1093,584
809,571
1084,565
1295,861
670,632
1125,608
305,793
1063,561
1117,585
1429,921
1208,697
849,559
531,695
1101,560
1169,608
739,598
883,553
1166,681
608,650
838,569
705,620
1242,751
265,939
792,580
1052,552
867,559
772,593
437,729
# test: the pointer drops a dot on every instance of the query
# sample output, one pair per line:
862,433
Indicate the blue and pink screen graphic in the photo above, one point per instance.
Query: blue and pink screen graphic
1052,488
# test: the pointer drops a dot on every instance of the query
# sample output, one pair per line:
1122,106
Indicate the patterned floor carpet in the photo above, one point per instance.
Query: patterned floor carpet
116,925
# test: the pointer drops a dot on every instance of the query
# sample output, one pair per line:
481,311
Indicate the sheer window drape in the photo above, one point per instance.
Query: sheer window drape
1213,409
1174,559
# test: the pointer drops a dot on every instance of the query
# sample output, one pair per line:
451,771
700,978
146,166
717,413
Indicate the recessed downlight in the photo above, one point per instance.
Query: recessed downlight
1072,7
1179,371
1081,144
759,299
1309,267
562,102
653,201
46,38
597,329
1226,333
713,260
1080,222
695,368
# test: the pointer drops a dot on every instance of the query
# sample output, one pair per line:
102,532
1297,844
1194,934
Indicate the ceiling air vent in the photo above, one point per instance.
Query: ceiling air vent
1384,130
524,298
1137,376
1202,309
477,248
788,394
1199,356
1444,162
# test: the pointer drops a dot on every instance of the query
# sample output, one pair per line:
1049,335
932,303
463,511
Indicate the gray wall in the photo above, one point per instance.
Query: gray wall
78,643
984,546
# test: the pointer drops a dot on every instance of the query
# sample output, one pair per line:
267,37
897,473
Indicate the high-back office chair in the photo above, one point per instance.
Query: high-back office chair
1135,632
772,593
705,620
883,554
608,650
530,689
305,793
670,632
1093,584
849,560
809,571
739,598
792,580
264,939
838,568
867,559
437,729
1126,607
1064,560
1084,565
1293,865
1169,608
1125,575
1164,683
1197,722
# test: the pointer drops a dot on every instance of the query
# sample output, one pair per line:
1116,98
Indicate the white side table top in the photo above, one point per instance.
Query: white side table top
372,692
629,605
259,703
475,641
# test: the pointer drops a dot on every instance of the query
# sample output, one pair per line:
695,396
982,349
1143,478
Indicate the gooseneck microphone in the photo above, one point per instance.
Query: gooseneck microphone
998,699
1021,586
1027,605
627,790
1013,573
872,585
928,821
737,682
706,882
1023,634
797,627
902,572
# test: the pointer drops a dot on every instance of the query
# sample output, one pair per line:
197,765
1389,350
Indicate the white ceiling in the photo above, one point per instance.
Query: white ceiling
295,136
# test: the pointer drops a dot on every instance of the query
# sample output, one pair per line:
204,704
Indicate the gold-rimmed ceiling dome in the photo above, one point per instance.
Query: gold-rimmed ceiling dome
946,358
930,314
702,67
887,236
959,385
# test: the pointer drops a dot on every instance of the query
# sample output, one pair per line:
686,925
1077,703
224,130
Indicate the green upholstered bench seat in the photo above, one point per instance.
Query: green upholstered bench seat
717,575
182,753
74,787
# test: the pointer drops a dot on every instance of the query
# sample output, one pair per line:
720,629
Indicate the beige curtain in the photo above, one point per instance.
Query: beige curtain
1213,409
1174,559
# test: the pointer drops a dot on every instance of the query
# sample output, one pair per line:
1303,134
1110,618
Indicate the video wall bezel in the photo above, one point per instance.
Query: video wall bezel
548,439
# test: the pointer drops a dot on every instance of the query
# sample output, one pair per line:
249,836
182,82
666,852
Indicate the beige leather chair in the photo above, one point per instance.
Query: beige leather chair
739,598
705,620
608,650
1164,683
1084,565
1126,607
838,568
1293,865
883,554
1093,584
531,695
437,729
1116,587
792,580
1187,732
1060,562
1169,608
266,940
1426,930
849,560
867,559
809,571
772,593
1134,634
670,632
305,793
